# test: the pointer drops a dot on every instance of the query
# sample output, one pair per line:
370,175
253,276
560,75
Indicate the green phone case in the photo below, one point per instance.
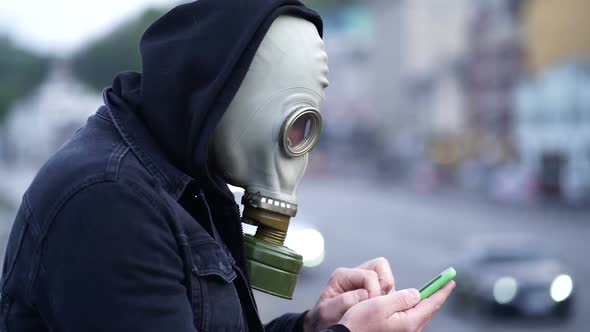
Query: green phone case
437,282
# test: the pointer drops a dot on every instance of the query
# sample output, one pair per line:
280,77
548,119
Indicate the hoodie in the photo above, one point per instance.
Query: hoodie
194,60
126,227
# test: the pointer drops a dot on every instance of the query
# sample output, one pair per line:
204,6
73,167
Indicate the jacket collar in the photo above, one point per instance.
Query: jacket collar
143,145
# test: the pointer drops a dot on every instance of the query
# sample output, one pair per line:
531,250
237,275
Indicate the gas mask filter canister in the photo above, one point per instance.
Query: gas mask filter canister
263,140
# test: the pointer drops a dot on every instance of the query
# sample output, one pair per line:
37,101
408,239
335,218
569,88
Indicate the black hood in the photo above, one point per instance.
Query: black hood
194,60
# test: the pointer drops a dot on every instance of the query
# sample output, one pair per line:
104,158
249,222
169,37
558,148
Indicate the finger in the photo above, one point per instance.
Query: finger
426,309
397,301
339,305
345,279
383,269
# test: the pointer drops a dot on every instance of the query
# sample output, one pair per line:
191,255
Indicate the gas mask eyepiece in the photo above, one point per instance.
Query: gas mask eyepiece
263,140
301,131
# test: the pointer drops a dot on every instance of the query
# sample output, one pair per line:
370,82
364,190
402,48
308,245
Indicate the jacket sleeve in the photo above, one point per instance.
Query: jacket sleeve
287,323
294,323
111,263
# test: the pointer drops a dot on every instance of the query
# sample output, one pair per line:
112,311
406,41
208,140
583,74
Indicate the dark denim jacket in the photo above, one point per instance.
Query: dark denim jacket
111,237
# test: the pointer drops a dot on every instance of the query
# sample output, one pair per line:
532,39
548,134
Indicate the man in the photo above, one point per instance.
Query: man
130,226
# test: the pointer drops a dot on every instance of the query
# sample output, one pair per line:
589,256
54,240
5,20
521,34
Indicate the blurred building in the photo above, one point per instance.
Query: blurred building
493,68
553,129
415,86
553,105
348,111
556,32
37,125
434,48
386,90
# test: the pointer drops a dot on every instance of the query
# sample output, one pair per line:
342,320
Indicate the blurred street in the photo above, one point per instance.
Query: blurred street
421,235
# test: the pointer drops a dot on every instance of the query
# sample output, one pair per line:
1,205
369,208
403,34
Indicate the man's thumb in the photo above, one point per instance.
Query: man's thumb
402,300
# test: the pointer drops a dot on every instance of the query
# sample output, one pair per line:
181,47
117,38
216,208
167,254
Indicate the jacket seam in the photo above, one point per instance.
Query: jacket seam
114,162
13,263
143,158
103,117
9,306
78,189
51,218
67,196
31,218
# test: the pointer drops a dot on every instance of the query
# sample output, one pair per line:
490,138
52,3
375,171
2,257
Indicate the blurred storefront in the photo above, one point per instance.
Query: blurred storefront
386,88
556,32
416,87
553,130
494,64
348,113
553,105
434,50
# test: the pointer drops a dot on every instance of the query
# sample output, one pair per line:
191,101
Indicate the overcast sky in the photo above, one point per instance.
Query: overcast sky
60,26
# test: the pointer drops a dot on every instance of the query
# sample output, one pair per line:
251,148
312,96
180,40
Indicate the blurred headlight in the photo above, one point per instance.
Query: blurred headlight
505,290
309,243
561,287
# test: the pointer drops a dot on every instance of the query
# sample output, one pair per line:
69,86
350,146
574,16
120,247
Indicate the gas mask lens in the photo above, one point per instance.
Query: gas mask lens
301,131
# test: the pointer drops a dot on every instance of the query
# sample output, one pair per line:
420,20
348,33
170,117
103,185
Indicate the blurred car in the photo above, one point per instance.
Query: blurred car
502,276
303,237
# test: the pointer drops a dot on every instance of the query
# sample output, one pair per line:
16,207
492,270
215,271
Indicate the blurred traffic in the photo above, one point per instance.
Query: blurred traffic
451,128
508,275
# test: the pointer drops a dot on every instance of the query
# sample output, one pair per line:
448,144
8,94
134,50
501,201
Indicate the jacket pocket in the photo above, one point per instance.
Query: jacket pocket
216,304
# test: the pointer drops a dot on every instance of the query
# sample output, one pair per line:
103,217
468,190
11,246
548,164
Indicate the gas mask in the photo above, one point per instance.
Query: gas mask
263,140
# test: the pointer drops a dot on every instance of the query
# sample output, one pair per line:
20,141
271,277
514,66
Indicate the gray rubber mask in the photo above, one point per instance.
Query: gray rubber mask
263,141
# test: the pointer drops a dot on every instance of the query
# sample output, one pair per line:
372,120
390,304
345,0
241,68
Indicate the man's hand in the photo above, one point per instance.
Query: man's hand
346,288
399,311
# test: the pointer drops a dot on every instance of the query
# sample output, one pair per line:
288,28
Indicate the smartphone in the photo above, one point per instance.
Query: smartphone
437,282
